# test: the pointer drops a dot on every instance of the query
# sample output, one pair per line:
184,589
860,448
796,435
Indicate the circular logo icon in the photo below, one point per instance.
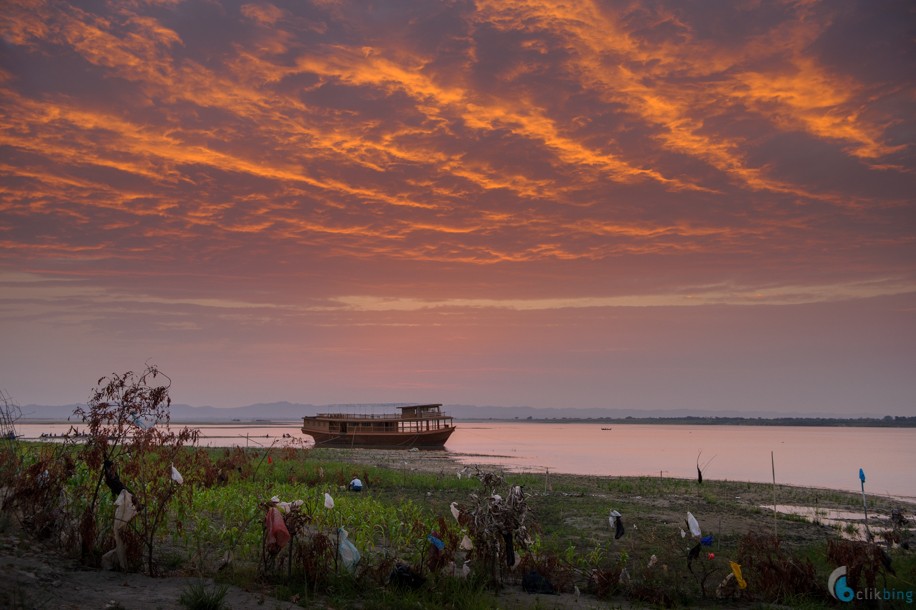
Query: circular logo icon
837,586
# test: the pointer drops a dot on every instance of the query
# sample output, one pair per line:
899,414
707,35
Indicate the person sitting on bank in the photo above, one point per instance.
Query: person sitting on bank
355,484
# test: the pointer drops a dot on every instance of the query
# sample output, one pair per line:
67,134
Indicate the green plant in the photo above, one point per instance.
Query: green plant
199,596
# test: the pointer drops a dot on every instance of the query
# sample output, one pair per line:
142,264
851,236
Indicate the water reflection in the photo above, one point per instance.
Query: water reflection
828,457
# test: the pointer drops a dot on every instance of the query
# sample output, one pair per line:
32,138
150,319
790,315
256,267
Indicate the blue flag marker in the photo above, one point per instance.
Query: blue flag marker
861,475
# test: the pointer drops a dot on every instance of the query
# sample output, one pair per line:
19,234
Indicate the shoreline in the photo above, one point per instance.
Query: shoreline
482,447
444,461
446,464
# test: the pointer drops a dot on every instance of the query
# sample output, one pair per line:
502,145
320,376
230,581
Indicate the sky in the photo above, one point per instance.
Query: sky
682,205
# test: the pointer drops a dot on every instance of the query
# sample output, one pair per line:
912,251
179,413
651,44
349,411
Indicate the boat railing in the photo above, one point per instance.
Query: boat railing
390,416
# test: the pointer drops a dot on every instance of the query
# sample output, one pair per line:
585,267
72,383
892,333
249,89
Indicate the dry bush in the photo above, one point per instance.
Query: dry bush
496,525
552,568
315,554
773,573
37,495
864,561
131,445
604,582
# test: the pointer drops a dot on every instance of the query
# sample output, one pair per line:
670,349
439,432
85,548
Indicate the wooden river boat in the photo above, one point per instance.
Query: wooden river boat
421,426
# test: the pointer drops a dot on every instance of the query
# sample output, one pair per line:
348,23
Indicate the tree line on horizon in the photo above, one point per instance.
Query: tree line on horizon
888,421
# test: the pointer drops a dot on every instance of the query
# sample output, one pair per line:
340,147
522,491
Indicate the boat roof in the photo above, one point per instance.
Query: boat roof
378,405
378,410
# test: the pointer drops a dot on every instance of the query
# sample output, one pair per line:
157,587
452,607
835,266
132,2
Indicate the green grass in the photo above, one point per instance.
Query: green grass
200,596
571,535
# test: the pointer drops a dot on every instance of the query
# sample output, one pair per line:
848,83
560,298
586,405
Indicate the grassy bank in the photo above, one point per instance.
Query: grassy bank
562,538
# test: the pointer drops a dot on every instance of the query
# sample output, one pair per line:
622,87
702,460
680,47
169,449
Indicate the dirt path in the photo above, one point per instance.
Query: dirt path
37,576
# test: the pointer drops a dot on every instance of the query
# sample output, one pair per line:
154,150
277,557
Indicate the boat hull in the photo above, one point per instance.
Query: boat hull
432,439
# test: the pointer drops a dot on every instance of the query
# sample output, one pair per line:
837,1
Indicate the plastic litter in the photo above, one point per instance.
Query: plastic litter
404,577
510,550
453,570
112,480
693,525
328,501
436,542
124,509
124,512
176,476
736,570
348,553
616,522
277,534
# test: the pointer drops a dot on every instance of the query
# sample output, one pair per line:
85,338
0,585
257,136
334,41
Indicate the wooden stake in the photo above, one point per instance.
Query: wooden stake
775,523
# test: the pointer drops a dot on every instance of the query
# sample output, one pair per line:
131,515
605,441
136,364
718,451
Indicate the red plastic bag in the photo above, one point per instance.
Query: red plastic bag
277,534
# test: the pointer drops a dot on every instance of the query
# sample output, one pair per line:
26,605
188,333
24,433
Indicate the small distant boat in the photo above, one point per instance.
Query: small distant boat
421,426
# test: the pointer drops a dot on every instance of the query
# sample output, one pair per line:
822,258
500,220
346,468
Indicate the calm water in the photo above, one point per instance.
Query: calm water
816,457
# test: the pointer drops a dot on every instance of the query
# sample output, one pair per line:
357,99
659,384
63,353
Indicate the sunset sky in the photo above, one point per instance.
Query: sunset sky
700,205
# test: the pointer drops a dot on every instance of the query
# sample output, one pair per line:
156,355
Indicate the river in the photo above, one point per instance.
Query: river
827,457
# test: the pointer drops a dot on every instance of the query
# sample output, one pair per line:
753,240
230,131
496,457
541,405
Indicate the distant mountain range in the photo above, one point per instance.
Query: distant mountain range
287,411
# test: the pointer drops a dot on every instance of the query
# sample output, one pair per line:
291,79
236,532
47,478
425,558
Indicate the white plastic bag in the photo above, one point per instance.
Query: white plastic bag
693,525
349,555
124,512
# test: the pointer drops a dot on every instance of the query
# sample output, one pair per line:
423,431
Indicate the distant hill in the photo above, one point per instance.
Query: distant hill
287,411
187,413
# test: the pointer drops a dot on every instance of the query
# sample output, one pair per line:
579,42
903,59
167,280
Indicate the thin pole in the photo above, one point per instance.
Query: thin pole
864,504
775,522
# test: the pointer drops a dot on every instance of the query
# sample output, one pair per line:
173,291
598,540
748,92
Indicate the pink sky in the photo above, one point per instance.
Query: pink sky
658,205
